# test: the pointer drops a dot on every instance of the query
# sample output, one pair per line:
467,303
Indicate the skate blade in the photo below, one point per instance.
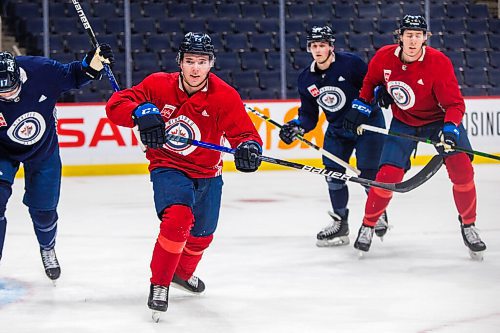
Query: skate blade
361,254
338,241
179,287
476,256
156,316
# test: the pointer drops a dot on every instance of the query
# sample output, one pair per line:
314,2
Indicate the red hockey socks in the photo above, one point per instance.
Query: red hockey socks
176,223
461,174
191,256
378,199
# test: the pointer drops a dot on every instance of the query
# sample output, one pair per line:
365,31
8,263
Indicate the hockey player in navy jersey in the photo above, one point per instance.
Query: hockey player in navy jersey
330,84
29,89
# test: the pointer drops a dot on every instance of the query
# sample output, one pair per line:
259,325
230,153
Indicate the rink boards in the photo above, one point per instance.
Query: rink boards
91,144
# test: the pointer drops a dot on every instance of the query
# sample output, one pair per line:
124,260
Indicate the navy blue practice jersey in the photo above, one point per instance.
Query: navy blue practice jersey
331,90
28,126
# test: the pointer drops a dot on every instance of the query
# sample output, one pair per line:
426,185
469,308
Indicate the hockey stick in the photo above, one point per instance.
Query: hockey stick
107,69
424,140
421,177
323,151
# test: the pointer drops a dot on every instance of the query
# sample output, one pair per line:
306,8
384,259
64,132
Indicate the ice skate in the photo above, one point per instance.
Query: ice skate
157,300
364,240
472,240
193,285
382,226
336,233
50,264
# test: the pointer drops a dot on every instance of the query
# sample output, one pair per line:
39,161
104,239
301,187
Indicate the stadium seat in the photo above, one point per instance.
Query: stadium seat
262,42
386,25
225,75
477,41
302,60
341,25
298,11
169,25
168,61
228,60
229,10
340,42
254,11
58,9
245,25
454,42
494,77
367,10
456,57
454,26
456,10
494,41
360,42
390,11
494,24
115,26
236,42
221,26
104,10
474,77
476,59
364,25
380,40
204,10
193,24
294,25
246,79
437,11
494,57
146,61
156,10
111,40
268,25
269,80
477,25
145,26
344,10
253,61
477,10
76,43
411,8
271,10
64,26
321,11
178,10
494,91
158,43
474,91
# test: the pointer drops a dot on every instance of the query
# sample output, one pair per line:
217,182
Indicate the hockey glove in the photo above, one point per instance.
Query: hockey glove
382,97
151,125
357,115
93,62
246,157
449,136
290,130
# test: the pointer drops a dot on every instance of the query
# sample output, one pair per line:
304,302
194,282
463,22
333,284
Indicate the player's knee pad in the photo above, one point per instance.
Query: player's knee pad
176,222
43,219
5,193
196,245
333,183
388,174
460,170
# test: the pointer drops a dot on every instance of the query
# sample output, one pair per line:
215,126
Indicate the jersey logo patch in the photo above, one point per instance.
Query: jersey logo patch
313,90
402,94
331,99
387,74
185,127
167,110
28,129
3,122
341,78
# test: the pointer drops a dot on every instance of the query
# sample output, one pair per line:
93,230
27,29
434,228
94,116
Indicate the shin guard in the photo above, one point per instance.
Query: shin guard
45,225
461,174
177,221
191,256
378,199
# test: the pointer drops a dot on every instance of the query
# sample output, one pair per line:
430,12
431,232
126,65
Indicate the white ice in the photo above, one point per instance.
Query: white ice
263,271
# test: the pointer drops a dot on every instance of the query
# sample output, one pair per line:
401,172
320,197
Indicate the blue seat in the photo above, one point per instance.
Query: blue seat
294,25
168,61
454,26
477,10
246,79
380,40
58,9
176,41
229,10
437,11
454,42
456,57
474,78
167,26
64,25
390,11
268,25
386,25
364,25
115,26
262,42
236,42
341,25
302,60
225,75
477,41
257,94
368,10
193,24
340,42
204,10
494,77
145,26
494,41
298,11
104,9
217,41
245,25
111,40
155,10
178,10
228,60
344,10
477,25
360,42
77,43
254,11
291,78
322,11
456,10
494,24
221,26
476,59
474,91
494,91
412,8
272,10
158,43
25,10
269,80
146,61
137,44
494,57
291,42
138,76
253,61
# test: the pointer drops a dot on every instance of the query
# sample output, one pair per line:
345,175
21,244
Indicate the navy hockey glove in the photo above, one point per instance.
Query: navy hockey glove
246,157
382,97
449,136
290,130
357,115
92,64
151,125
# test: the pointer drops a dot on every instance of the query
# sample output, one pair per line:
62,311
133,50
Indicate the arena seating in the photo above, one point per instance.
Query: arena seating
246,37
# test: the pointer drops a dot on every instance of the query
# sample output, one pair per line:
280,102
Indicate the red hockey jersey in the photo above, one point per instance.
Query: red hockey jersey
212,115
424,91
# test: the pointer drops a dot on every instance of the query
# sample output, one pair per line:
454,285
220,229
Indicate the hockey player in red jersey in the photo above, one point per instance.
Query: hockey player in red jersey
187,182
420,85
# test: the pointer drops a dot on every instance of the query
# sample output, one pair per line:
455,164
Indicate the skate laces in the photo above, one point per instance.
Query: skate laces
49,259
334,226
381,222
472,235
193,281
365,235
160,293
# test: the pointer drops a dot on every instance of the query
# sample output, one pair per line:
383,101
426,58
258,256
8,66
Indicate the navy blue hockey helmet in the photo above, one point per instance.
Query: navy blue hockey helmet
10,76
320,34
413,22
196,43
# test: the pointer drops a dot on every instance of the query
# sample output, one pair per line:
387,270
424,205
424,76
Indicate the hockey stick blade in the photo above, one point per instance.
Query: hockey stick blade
323,151
421,177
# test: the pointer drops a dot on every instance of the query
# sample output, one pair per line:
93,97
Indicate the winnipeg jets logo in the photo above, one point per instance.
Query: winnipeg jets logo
184,127
331,99
28,129
402,93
